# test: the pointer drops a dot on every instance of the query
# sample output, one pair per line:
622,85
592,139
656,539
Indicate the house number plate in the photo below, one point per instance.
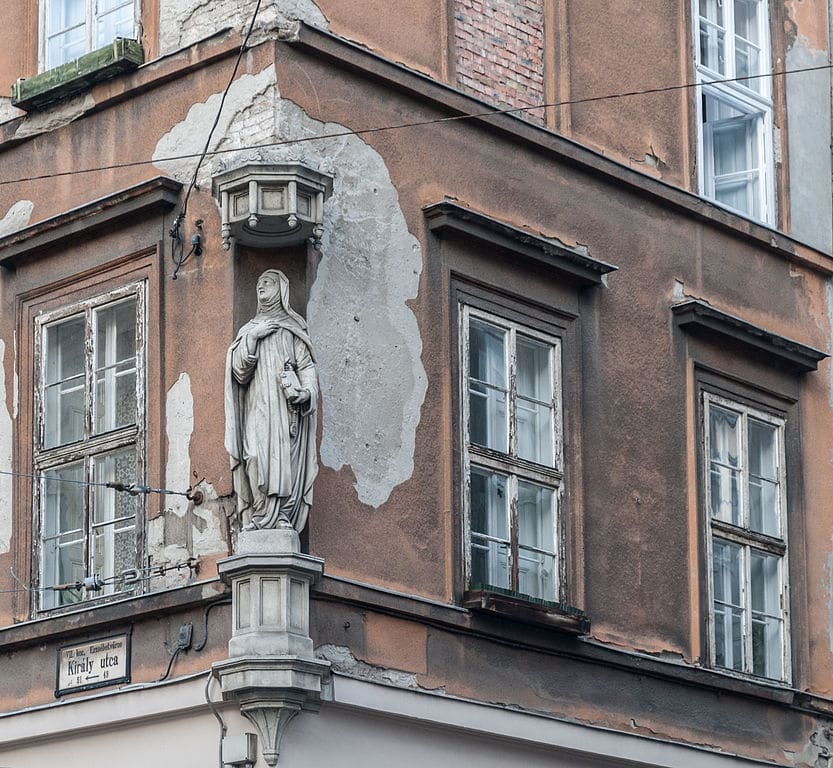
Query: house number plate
105,661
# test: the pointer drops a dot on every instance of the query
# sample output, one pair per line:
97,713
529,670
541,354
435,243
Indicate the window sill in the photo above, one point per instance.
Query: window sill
542,613
37,92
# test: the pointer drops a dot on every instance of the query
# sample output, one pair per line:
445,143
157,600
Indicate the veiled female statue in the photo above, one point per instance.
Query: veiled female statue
271,394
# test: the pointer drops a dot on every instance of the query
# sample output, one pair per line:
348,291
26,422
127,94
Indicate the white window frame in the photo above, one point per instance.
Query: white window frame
515,469
746,538
90,24
754,101
93,445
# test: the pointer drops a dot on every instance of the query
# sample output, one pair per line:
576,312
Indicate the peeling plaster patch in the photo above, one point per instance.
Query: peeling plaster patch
5,459
207,532
179,426
7,111
342,660
360,323
184,22
17,217
817,753
15,381
808,138
56,117
829,568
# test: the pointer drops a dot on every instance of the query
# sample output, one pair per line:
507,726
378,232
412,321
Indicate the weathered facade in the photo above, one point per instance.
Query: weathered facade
571,311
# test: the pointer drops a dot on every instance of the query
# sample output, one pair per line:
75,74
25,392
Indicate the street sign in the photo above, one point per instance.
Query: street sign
96,663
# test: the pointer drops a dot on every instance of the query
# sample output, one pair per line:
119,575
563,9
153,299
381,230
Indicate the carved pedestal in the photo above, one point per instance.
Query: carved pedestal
271,670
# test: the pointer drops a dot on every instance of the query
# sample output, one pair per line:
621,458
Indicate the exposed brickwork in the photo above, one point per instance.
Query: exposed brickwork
500,51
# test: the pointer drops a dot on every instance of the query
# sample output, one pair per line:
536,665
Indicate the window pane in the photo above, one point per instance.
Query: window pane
64,14
535,419
712,47
487,386
64,379
109,504
534,369
724,472
489,504
487,353
735,165
536,574
535,432
765,584
487,414
66,46
746,20
114,19
63,563
536,570
767,623
728,612
63,501
114,515
764,495
115,373
535,516
734,151
489,518
763,449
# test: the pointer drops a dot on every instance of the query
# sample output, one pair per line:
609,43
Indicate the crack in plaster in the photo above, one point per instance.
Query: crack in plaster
358,313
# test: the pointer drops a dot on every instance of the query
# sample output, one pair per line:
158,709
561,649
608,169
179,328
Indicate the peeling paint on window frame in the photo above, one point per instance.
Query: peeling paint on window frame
746,538
91,445
509,463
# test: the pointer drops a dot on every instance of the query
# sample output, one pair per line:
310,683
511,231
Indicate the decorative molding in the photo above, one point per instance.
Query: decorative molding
271,672
158,194
451,218
698,317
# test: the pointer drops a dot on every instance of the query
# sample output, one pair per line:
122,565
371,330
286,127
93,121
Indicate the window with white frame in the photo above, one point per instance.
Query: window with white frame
746,499
90,427
512,455
735,109
71,28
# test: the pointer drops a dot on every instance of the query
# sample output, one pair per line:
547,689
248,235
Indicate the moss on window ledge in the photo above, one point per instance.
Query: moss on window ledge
32,93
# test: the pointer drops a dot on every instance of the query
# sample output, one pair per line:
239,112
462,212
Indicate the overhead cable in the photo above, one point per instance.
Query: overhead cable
413,124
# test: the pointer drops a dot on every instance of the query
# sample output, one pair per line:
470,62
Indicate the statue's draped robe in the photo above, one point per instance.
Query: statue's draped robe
273,469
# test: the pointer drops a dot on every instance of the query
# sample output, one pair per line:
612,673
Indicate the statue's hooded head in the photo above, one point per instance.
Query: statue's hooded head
273,302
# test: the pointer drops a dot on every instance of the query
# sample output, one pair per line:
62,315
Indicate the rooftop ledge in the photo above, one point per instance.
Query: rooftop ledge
122,55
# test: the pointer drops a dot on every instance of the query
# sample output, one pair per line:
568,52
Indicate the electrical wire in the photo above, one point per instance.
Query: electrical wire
413,124
223,601
213,707
173,658
176,235
129,576
134,489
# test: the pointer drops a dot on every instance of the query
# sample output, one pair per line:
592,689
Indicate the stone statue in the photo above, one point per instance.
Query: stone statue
271,395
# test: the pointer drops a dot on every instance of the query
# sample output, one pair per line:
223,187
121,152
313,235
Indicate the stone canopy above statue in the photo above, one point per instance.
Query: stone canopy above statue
272,205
